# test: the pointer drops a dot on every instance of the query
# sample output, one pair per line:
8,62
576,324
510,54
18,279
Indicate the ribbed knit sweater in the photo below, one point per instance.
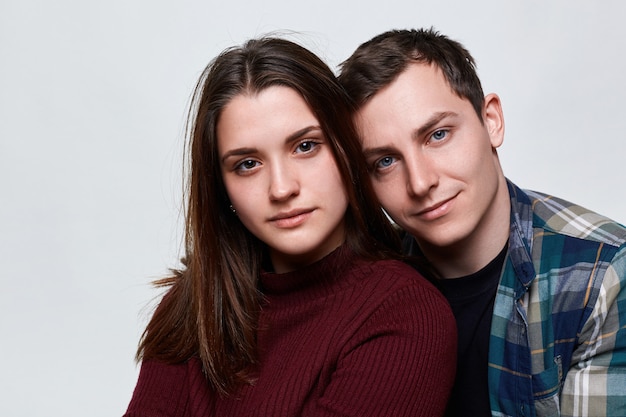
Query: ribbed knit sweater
343,337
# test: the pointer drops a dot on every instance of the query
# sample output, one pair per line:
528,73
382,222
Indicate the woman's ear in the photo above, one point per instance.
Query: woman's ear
493,119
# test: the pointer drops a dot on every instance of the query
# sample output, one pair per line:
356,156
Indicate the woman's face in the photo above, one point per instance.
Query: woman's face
281,176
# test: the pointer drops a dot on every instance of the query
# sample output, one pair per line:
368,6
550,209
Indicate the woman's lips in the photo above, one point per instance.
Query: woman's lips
290,219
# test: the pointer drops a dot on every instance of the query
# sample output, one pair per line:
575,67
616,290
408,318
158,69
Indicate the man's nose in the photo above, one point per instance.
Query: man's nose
421,176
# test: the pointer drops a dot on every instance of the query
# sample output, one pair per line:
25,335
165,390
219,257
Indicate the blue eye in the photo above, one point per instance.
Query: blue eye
384,162
439,135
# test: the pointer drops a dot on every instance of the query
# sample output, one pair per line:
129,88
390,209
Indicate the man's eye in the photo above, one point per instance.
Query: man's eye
439,135
385,162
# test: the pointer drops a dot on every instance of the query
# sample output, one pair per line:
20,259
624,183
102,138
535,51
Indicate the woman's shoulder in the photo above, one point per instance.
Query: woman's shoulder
392,275
401,271
166,387
398,295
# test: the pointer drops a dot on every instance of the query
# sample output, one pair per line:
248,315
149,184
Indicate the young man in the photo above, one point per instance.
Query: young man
537,284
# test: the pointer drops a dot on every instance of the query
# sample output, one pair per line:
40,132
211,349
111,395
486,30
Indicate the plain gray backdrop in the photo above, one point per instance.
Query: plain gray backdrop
93,97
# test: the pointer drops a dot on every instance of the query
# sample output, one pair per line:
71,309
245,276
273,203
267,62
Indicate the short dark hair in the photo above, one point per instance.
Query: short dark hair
378,62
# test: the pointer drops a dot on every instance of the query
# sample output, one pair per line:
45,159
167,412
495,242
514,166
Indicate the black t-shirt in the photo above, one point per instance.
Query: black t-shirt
471,298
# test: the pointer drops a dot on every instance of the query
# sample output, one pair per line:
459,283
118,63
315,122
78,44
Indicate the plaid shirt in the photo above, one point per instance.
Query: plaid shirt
558,335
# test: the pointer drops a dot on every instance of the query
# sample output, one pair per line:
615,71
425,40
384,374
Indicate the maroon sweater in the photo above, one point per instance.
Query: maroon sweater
343,337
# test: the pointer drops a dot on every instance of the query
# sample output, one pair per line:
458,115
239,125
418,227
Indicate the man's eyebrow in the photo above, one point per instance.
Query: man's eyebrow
382,150
426,127
432,122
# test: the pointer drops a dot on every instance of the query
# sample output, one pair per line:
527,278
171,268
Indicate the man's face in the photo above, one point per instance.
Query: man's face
432,162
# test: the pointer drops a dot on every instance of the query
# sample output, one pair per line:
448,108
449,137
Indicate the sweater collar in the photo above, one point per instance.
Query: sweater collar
313,279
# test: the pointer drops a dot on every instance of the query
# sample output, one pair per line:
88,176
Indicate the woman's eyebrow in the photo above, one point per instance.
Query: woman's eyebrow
291,138
301,132
238,152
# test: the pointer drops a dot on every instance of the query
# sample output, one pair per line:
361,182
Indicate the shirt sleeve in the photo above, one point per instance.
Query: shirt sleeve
400,363
596,382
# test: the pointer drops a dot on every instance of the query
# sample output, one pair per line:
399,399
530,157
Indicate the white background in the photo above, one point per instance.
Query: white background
93,98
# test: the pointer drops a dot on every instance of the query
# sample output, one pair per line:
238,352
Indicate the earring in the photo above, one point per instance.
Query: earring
232,209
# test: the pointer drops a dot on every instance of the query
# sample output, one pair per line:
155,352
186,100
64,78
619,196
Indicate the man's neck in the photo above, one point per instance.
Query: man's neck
473,253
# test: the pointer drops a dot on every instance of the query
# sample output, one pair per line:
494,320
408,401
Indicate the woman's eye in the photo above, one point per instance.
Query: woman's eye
439,135
246,165
306,146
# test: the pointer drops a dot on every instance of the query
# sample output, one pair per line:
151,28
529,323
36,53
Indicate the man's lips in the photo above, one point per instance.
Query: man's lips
436,210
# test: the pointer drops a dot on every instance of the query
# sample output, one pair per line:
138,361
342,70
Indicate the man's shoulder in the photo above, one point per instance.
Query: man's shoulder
556,215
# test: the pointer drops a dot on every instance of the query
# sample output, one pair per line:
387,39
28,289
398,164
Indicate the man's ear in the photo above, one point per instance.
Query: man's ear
493,119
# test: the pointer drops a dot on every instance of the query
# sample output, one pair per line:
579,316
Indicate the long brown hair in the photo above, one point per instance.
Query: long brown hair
212,304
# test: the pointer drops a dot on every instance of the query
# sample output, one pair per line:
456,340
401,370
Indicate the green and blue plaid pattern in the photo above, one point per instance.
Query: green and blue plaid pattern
558,336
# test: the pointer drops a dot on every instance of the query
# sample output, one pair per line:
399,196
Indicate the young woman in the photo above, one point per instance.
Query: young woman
289,303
